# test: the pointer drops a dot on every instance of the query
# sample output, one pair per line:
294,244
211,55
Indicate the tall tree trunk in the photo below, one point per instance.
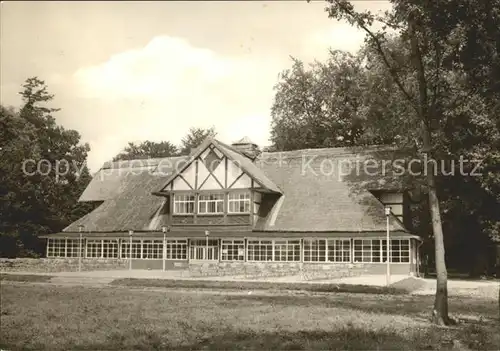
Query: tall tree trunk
440,311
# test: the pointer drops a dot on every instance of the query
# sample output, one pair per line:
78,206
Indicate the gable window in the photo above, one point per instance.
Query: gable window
211,161
183,204
239,202
211,203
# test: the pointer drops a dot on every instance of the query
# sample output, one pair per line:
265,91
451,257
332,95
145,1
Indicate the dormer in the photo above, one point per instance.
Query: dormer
399,203
217,185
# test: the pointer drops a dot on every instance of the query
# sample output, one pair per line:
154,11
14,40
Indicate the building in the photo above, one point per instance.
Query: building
232,210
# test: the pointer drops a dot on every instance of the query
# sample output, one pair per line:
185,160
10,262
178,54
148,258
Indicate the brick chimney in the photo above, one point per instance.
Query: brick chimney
247,147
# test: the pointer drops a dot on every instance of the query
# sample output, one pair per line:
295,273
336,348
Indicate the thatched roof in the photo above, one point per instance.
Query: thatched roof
318,197
113,177
310,197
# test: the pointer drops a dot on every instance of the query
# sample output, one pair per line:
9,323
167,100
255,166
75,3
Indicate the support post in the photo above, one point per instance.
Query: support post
130,232
388,247
80,251
207,233
164,230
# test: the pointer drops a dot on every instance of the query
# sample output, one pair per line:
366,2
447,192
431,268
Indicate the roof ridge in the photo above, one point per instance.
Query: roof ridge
114,164
336,151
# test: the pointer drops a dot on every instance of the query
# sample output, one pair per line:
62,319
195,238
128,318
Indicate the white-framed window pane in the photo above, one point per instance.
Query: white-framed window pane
152,249
183,204
176,249
287,250
202,249
375,250
110,248
314,250
260,250
239,202
400,250
72,247
94,248
339,250
233,250
136,248
211,203
56,247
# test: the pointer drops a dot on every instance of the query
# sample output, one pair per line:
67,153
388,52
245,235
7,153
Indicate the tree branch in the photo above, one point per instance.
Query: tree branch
377,42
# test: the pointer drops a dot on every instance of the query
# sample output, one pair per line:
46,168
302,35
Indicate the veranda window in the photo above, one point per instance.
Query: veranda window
56,248
287,250
136,248
94,248
72,246
176,249
110,248
233,250
314,250
102,248
152,249
339,250
183,204
400,251
202,249
260,250
211,203
375,250
239,202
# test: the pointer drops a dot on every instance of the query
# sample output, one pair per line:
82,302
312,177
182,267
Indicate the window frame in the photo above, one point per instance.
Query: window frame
238,201
197,246
209,201
232,245
56,251
382,250
187,200
317,249
177,246
260,243
152,247
288,246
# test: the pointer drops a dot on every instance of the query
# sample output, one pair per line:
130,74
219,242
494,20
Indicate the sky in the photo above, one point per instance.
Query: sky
135,71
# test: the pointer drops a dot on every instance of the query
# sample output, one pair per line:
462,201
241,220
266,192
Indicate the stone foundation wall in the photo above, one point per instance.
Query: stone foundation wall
48,265
255,270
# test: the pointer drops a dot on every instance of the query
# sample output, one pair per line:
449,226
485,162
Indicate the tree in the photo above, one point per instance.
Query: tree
439,93
194,138
42,173
147,149
320,106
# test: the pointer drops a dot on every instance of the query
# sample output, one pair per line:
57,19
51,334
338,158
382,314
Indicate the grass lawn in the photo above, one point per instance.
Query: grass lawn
116,318
25,277
244,285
